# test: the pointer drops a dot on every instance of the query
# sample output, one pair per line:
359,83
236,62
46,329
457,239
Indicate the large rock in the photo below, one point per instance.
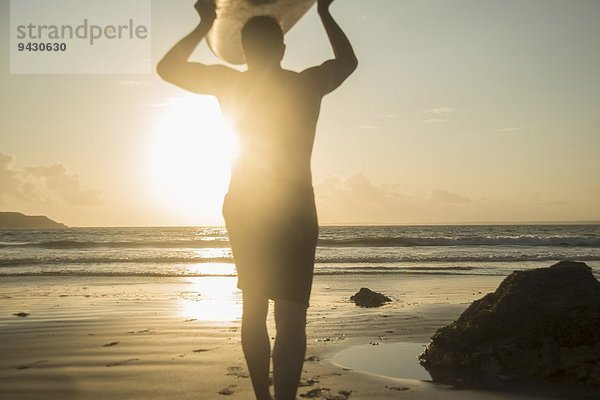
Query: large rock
542,323
365,297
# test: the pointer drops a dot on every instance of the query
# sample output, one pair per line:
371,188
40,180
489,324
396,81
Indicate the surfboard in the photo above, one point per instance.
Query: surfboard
224,39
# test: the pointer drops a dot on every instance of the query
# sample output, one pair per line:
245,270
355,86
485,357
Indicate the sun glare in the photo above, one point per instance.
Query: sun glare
190,156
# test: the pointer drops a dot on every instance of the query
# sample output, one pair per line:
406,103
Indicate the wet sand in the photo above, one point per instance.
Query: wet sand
159,338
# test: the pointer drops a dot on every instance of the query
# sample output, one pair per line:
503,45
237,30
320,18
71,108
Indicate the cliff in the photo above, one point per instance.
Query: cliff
19,220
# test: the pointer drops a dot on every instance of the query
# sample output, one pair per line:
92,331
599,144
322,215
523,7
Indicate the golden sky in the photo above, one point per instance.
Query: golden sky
460,111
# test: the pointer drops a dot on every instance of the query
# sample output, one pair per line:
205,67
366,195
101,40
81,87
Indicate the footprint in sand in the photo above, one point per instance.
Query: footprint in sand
228,391
319,392
142,331
397,388
123,362
25,366
312,358
316,392
309,382
342,395
238,372
21,314
203,350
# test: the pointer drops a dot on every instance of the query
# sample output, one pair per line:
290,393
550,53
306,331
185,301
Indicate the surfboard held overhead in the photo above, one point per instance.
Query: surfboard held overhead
224,39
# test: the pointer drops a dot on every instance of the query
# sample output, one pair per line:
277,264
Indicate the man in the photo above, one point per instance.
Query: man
269,209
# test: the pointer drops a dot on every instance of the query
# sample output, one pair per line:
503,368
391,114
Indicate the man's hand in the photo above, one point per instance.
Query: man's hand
206,10
323,5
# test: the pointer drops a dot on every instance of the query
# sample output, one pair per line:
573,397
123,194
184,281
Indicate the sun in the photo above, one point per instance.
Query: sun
189,158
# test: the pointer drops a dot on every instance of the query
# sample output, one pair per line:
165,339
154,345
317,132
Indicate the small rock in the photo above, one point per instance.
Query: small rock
365,297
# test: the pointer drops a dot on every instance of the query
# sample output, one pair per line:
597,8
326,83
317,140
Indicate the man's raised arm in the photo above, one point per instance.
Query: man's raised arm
195,77
329,75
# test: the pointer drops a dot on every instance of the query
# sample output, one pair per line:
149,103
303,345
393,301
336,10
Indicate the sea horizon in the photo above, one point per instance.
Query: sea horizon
361,224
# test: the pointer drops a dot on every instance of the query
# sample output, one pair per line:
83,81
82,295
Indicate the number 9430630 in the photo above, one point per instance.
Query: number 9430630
35,46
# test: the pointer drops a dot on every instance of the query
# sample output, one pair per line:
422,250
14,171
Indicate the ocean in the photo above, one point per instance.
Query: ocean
205,251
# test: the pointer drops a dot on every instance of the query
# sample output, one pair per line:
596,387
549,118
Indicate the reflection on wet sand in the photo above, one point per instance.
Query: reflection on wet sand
218,299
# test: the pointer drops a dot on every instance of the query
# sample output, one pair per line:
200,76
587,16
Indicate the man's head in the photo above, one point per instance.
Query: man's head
262,40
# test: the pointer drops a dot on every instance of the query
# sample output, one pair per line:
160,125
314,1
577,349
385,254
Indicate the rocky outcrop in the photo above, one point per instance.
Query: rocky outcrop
542,324
19,220
365,297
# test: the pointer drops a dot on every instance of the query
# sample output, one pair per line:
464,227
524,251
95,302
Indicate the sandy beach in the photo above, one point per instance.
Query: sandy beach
158,338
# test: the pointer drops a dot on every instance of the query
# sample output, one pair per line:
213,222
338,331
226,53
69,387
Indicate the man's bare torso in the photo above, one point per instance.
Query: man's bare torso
275,115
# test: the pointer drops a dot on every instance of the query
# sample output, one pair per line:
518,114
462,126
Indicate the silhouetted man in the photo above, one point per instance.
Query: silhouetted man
269,208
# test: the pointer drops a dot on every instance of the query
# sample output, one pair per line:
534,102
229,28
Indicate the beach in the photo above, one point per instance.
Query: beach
179,337
154,313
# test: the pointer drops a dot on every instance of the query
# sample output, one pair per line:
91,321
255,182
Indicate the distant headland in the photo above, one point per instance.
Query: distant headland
20,220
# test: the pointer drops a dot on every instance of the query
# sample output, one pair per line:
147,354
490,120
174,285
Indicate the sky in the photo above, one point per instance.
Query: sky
461,111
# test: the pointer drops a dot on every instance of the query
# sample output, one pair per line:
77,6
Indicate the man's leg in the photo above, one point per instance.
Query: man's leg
255,342
289,349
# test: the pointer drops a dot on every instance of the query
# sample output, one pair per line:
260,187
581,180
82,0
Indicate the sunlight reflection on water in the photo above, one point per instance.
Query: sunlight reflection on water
397,360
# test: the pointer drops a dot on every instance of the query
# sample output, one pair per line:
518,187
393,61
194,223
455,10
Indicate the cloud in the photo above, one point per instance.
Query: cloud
443,196
512,129
357,189
440,111
434,121
370,127
9,181
438,115
42,185
355,199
